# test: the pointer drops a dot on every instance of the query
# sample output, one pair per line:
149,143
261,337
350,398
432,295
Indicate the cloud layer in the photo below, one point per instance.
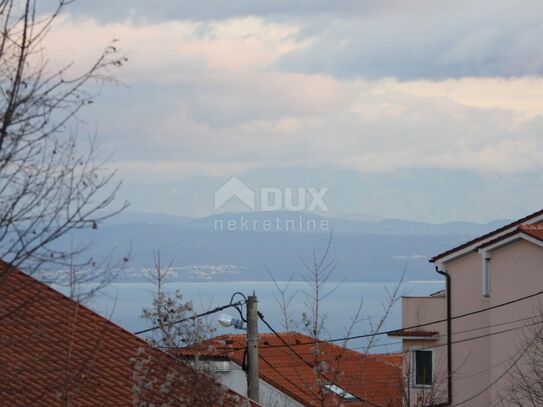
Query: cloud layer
419,39
385,88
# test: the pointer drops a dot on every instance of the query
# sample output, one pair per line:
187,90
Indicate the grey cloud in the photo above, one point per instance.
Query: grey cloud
167,10
419,39
148,10
393,130
476,41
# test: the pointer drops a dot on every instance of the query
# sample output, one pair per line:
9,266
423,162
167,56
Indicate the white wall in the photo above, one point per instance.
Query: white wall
232,376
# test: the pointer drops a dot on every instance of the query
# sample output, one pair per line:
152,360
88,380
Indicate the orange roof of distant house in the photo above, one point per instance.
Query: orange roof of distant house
375,380
55,350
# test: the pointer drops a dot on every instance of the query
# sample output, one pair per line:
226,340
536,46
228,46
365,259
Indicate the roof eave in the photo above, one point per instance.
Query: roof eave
474,244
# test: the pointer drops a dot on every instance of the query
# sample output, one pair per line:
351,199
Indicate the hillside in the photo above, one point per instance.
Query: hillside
364,250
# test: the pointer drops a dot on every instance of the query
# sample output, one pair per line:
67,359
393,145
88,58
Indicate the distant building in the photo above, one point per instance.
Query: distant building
288,374
56,352
489,278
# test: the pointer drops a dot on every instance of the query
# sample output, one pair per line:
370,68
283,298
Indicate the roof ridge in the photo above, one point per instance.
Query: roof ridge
64,297
49,305
487,235
530,226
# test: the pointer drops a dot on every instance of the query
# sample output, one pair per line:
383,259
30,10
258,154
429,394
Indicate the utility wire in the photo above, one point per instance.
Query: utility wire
286,378
505,372
286,344
380,345
306,362
452,343
459,332
191,318
380,333
467,314
483,336
493,383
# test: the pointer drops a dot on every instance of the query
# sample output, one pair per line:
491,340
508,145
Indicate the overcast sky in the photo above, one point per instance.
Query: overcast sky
389,103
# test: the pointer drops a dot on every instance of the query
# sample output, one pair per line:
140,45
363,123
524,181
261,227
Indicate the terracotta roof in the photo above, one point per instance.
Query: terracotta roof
535,231
487,235
55,350
376,379
414,334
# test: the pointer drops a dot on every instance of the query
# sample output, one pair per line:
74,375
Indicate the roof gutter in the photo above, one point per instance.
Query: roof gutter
449,339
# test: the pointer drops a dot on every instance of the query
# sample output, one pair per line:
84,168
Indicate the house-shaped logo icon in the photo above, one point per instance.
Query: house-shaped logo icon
234,187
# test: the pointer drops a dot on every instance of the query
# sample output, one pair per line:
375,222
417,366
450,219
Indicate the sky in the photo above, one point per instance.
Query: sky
421,109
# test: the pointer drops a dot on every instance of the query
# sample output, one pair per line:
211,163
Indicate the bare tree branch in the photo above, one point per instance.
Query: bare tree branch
50,182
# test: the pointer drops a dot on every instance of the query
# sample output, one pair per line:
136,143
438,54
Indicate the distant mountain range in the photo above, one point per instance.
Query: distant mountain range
339,225
205,249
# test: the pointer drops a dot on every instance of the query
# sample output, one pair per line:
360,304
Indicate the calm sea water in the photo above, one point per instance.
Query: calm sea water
123,302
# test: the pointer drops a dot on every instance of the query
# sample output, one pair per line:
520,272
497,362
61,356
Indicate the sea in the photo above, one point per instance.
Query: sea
122,302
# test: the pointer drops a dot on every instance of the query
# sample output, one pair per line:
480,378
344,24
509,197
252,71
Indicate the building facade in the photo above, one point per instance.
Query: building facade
487,320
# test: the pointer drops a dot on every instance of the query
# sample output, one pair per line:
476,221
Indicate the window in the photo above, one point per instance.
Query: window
423,369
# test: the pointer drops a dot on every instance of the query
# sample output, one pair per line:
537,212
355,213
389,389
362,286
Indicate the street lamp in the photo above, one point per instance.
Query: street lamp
253,391
228,321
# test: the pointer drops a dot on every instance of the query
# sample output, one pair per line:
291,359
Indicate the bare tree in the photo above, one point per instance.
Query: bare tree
166,312
284,301
167,309
525,369
51,182
318,271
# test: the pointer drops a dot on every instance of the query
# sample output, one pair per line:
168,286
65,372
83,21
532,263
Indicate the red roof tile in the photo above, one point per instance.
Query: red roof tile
54,349
535,231
376,379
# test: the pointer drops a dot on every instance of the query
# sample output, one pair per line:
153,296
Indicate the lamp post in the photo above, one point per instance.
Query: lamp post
253,388
253,391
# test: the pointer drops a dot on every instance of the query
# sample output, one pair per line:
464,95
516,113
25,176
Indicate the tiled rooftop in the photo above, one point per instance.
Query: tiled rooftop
535,231
56,351
373,378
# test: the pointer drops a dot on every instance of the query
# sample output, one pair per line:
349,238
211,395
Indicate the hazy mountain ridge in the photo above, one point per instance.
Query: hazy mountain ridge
338,224
364,250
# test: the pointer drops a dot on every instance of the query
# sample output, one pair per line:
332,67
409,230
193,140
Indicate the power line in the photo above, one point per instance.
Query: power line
473,338
191,318
306,362
467,314
494,382
235,348
286,378
501,376
435,346
380,333
484,336
230,349
286,344
459,332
